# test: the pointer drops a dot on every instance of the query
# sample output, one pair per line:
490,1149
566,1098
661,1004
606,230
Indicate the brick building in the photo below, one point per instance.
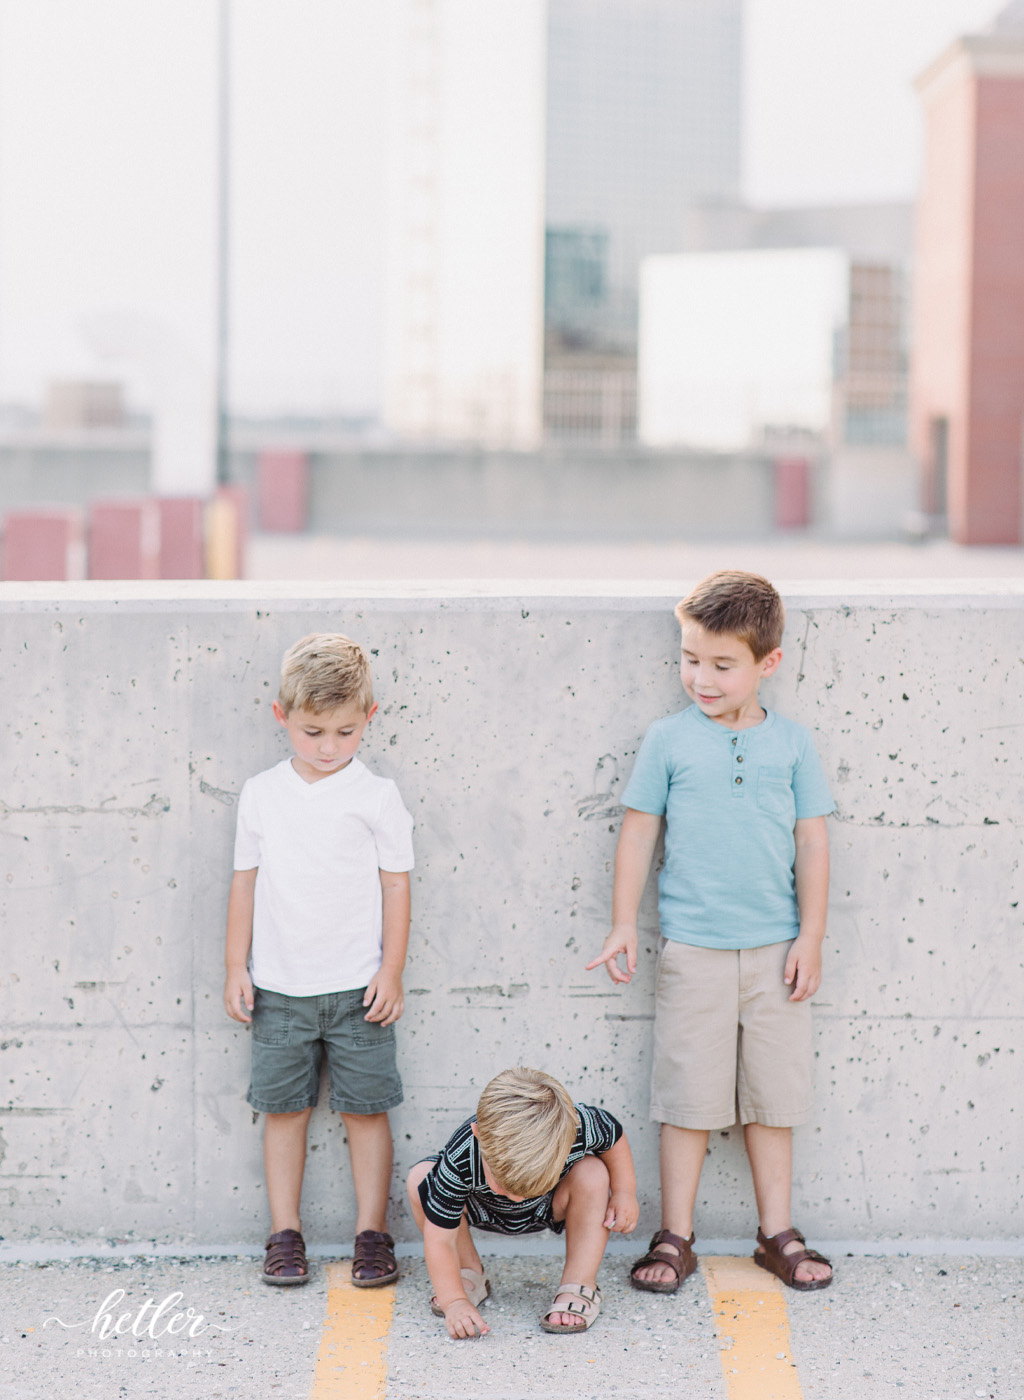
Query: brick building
967,374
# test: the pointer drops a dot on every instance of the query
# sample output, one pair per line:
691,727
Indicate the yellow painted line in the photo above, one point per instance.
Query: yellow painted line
352,1364
753,1330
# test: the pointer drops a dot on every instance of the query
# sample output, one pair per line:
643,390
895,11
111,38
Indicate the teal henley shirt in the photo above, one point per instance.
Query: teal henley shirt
731,799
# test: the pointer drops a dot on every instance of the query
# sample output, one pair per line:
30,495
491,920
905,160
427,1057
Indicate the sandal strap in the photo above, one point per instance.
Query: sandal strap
785,1265
374,1249
780,1240
587,1299
286,1250
676,1262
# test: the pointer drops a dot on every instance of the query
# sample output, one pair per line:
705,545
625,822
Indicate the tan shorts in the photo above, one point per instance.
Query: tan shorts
726,1036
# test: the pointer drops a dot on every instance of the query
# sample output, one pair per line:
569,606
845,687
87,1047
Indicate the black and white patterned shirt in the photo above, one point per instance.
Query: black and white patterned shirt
456,1181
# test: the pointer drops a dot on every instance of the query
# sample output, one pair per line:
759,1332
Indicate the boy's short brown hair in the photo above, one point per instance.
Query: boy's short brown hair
746,605
324,671
526,1124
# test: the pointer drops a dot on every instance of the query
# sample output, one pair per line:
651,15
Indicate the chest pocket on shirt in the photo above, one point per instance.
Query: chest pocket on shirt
775,792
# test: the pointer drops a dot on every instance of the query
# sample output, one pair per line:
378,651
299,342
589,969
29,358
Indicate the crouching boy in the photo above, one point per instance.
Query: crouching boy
529,1160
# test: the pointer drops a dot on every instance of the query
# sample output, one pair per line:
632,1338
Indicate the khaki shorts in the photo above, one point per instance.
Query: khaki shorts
726,1036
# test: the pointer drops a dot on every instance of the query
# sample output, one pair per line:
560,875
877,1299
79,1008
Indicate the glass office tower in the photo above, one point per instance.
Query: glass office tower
643,121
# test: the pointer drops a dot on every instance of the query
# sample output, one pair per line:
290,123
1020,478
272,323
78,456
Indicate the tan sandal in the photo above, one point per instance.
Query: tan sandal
587,1305
772,1256
477,1286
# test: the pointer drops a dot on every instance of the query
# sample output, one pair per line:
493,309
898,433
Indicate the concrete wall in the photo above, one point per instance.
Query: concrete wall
623,492
557,492
71,469
455,491
134,713
864,492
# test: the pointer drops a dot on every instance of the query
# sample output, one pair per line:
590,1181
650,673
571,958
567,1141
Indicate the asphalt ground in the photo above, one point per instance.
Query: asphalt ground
920,1327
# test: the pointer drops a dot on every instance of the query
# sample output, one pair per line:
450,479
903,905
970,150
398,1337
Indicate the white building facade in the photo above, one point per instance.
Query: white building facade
541,148
465,222
734,346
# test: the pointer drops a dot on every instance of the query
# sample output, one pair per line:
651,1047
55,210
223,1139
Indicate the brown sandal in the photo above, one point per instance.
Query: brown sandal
772,1257
285,1261
681,1264
373,1260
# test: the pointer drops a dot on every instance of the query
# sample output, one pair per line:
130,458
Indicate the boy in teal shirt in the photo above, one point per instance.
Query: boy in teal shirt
742,901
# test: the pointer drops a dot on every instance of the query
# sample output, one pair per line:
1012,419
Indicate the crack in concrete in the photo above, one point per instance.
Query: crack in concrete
803,650
155,807
218,794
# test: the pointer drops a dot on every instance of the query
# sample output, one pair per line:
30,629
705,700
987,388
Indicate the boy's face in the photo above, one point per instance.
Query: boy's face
721,677
323,743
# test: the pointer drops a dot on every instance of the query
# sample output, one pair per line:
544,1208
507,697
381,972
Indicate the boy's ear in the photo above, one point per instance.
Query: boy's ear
771,662
279,712
371,712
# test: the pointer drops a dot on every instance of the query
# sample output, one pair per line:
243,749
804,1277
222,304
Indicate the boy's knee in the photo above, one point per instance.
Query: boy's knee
590,1175
412,1182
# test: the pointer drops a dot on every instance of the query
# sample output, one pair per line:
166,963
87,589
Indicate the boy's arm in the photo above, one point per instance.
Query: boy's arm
803,966
238,997
442,1256
633,856
623,1208
384,995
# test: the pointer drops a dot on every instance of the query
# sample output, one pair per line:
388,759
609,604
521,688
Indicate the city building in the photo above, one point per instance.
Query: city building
795,352
643,123
744,349
465,223
542,148
967,376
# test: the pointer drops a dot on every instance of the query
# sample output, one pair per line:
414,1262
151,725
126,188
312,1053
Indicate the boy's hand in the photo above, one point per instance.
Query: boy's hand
385,998
463,1320
622,939
623,1212
238,996
803,968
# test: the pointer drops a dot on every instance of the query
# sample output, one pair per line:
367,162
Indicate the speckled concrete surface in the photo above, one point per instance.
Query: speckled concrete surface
927,1328
269,1350
642,1344
931,1328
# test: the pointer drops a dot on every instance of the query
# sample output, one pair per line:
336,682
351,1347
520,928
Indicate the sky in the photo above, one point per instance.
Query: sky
108,174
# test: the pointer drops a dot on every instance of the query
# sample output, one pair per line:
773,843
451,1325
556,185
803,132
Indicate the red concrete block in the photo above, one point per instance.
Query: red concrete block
181,537
42,544
792,493
124,539
282,480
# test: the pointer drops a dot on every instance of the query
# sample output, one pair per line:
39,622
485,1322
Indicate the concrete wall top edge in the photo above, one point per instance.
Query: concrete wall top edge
488,594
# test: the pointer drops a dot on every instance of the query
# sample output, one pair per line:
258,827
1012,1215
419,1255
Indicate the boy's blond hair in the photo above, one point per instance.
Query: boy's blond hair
323,671
746,605
526,1124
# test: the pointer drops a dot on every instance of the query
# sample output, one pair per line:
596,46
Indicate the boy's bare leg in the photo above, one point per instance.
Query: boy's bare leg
467,1250
371,1152
682,1156
771,1165
284,1162
581,1200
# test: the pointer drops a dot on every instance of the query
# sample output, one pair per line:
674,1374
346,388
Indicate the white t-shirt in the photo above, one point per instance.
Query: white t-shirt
319,848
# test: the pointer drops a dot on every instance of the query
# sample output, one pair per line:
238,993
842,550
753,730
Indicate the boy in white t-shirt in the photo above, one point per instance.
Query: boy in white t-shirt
318,925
